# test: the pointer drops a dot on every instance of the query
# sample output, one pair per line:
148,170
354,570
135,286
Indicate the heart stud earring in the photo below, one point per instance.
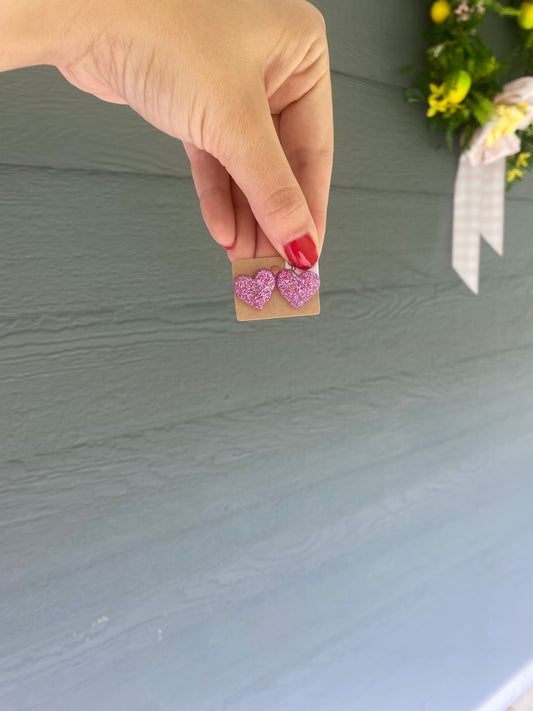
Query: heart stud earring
297,289
255,291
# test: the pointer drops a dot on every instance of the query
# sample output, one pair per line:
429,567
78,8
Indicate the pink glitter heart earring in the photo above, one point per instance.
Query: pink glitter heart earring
297,289
255,291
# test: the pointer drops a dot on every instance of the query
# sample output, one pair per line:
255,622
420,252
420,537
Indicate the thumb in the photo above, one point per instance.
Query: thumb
251,152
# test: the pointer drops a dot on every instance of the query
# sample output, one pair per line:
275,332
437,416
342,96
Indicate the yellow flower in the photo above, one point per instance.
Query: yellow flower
509,118
513,174
435,99
522,159
436,106
438,102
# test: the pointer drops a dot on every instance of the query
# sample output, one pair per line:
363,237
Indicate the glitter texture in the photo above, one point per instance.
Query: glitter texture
255,291
297,289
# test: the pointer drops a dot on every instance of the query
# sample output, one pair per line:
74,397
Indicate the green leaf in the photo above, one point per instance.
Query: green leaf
413,94
481,107
449,136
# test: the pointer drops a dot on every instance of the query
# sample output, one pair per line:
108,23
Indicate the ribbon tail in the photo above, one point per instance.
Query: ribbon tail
492,204
467,223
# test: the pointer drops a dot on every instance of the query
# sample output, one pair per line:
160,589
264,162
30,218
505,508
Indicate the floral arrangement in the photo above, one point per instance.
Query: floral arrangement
460,81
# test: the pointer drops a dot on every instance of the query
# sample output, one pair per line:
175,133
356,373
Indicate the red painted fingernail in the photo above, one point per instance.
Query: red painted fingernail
302,252
231,245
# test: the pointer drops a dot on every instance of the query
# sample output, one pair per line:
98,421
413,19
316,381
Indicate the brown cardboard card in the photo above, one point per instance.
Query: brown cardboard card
277,306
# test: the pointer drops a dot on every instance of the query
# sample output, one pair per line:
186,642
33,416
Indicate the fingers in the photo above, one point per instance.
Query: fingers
306,135
263,246
212,184
251,152
224,206
290,161
246,227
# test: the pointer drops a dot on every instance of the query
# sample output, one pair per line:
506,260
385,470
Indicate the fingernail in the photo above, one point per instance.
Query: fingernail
231,245
302,252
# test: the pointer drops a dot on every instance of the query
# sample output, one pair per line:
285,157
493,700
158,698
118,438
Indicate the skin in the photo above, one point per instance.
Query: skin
244,84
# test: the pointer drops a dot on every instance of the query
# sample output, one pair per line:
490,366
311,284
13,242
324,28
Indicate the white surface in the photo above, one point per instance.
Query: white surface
516,693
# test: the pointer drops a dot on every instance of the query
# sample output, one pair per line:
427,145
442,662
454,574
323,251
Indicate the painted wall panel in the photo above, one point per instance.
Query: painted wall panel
196,514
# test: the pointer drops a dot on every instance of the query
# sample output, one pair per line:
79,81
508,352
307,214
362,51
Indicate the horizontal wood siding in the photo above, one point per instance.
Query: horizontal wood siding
196,514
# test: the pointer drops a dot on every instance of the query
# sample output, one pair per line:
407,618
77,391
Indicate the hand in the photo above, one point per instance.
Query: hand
245,84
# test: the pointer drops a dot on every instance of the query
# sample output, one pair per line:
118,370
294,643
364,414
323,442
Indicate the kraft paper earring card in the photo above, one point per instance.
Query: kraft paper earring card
270,287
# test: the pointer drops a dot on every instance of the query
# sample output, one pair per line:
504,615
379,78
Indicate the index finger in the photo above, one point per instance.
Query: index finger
306,135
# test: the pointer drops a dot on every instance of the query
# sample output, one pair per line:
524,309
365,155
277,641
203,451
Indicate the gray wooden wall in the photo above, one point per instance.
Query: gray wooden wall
318,514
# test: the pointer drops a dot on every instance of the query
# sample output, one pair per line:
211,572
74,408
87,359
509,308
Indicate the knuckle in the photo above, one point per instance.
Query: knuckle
316,19
284,202
239,126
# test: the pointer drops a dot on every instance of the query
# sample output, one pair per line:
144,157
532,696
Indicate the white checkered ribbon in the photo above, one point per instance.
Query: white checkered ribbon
478,209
